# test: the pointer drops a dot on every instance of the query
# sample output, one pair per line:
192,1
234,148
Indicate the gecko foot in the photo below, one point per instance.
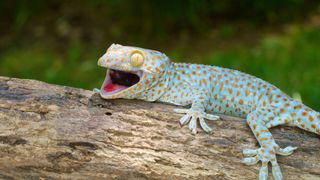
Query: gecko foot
281,151
191,117
266,155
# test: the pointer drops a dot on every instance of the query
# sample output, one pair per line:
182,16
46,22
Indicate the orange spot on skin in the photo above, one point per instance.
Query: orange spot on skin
254,126
287,105
230,91
162,66
224,97
215,97
263,139
310,118
247,93
293,114
219,76
238,93
313,126
264,103
204,81
299,120
268,92
257,134
194,73
220,87
302,125
282,110
147,81
318,116
240,101
271,152
297,106
304,113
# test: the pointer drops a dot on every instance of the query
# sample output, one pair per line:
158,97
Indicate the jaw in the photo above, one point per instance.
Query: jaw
118,82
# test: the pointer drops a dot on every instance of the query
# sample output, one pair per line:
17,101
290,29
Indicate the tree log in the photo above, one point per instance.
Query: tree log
55,132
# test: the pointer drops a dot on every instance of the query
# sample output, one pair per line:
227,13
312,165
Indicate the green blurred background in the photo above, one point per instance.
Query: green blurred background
60,41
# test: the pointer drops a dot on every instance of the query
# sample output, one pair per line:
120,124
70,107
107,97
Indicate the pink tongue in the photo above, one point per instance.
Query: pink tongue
113,87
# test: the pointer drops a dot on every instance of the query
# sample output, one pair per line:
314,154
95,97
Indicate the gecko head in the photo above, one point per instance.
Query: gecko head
131,70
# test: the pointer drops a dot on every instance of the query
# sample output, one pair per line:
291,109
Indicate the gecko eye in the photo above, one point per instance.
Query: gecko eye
136,59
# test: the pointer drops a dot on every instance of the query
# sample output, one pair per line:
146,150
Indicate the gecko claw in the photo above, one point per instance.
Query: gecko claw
286,151
212,117
250,160
193,125
276,171
185,119
250,152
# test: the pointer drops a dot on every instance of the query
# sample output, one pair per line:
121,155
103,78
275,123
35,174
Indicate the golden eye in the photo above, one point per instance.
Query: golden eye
136,59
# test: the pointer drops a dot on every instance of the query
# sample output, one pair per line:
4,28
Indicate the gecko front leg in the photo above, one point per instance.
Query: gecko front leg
197,112
257,121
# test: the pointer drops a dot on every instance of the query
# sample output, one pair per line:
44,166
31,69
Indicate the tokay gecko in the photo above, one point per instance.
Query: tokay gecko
137,73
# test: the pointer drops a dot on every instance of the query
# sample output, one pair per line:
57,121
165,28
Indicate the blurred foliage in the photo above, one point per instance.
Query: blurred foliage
60,41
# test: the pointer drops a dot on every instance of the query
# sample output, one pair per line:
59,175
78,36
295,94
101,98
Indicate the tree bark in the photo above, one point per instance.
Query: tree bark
55,132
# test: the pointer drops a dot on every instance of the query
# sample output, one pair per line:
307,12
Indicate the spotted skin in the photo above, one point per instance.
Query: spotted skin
216,90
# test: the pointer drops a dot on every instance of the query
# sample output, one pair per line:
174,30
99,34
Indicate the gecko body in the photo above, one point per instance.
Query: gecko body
137,73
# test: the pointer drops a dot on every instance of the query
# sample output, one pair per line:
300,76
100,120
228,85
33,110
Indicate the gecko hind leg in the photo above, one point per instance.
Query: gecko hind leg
269,148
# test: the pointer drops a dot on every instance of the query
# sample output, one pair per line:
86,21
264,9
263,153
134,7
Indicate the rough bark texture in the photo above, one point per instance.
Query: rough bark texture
55,132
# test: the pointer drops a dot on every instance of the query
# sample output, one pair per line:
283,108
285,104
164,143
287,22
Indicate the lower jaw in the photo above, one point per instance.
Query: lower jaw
111,89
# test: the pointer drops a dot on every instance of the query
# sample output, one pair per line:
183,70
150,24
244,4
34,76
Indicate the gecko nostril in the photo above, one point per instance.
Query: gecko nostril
108,113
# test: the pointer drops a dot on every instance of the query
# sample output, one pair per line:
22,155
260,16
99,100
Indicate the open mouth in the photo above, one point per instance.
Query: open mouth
117,81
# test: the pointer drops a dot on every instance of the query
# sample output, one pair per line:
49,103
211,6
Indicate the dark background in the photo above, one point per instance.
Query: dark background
60,41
